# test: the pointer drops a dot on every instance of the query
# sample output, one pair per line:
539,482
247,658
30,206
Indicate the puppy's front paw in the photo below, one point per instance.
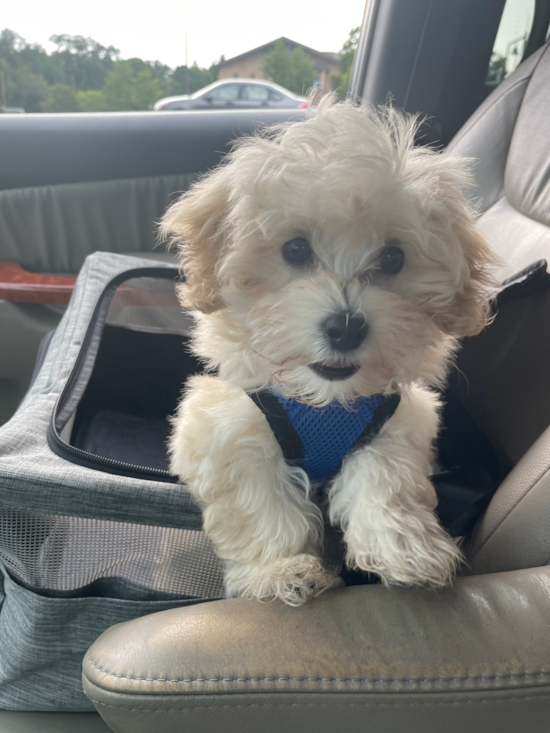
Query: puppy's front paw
426,558
292,580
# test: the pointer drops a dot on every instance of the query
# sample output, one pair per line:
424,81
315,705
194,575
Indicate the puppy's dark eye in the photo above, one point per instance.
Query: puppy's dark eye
297,251
392,260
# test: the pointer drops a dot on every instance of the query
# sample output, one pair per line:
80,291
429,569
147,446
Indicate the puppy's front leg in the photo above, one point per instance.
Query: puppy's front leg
255,507
384,500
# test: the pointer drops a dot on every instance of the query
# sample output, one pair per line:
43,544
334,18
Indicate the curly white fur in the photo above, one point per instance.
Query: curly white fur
349,180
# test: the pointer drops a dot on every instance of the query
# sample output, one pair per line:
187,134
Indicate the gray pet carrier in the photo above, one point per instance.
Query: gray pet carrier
93,529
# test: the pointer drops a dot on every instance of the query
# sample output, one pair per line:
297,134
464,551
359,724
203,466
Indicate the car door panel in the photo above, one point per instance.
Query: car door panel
45,150
222,97
253,96
74,184
54,228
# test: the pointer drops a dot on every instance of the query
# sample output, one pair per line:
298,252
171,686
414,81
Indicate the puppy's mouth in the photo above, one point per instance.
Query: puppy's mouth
334,371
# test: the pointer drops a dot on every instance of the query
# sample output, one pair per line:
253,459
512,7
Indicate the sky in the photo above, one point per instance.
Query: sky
155,30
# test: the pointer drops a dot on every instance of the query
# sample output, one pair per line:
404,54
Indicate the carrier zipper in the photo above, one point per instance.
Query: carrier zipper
116,281
82,457
90,460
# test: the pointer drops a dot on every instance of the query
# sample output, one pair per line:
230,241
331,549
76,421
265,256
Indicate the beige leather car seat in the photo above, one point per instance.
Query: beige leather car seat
472,658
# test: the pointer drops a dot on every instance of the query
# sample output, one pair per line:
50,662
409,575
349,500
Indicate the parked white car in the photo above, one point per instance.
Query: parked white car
237,94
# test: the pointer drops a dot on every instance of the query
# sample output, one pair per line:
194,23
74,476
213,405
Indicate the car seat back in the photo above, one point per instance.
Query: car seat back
509,136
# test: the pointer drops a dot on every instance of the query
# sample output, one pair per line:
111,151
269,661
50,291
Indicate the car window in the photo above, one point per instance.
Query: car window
184,49
275,96
225,93
511,39
255,93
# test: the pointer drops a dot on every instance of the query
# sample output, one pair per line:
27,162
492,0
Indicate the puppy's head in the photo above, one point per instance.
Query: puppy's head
332,257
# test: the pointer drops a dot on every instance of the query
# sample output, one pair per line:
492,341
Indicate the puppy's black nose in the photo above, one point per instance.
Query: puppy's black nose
345,332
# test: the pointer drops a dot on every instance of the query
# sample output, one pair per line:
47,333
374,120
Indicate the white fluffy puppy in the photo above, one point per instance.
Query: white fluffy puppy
328,261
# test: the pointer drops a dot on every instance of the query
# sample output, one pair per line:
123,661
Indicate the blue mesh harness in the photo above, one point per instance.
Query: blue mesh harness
318,438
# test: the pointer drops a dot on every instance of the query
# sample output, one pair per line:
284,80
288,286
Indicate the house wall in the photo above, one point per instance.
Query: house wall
251,67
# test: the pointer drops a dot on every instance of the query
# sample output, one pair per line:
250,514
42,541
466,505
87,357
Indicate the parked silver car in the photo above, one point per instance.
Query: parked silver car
235,93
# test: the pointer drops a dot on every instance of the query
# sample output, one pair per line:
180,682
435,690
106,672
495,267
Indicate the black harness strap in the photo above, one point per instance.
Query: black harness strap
459,503
288,438
380,418
280,424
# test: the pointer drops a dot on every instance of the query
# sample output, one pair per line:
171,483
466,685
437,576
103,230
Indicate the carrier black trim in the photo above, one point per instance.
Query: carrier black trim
71,452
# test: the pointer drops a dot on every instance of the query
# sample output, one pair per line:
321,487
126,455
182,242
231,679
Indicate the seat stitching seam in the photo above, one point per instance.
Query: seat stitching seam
515,506
465,130
495,676
529,80
511,204
491,700
6,192
526,79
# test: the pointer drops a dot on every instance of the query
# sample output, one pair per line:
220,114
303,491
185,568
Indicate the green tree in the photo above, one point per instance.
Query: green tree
289,68
302,72
276,65
61,98
80,62
92,101
22,55
22,64
147,90
24,89
198,78
118,89
126,90
158,71
83,75
497,69
340,82
11,43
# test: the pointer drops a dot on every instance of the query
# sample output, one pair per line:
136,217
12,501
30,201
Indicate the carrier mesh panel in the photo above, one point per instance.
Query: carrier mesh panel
145,304
68,553
64,553
148,304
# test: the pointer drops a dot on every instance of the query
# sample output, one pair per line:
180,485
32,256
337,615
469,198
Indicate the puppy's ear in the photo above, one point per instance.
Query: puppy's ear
468,256
196,224
470,311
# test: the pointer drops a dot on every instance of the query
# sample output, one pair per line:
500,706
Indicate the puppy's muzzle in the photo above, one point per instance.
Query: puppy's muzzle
344,331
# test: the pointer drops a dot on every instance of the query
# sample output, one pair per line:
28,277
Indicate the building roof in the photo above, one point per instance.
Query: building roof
330,57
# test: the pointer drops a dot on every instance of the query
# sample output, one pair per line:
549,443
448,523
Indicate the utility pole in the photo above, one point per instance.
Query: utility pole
3,87
187,78
288,64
